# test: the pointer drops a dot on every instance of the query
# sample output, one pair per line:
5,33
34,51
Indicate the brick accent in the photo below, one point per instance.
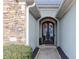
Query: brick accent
14,21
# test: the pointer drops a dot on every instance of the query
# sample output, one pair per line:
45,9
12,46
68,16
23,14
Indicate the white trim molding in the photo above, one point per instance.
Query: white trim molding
27,23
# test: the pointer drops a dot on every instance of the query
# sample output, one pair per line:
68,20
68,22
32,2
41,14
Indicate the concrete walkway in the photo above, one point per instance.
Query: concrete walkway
48,52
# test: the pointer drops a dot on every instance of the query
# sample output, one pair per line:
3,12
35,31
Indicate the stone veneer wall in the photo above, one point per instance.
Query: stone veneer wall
14,21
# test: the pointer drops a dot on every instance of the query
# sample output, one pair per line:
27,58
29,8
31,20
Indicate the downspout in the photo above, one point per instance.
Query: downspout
27,23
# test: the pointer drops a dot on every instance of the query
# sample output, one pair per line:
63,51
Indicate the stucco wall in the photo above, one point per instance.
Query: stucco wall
14,21
48,12
68,33
32,31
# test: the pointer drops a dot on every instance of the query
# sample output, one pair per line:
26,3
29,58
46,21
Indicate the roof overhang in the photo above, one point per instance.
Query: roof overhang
65,8
33,10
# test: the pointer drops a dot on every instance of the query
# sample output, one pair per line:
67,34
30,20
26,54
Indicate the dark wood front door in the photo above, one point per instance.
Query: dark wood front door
48,33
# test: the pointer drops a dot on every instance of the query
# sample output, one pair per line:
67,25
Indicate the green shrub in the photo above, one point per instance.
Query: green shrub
13,51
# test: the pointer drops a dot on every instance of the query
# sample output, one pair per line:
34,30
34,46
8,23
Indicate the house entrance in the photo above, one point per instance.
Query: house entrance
48,32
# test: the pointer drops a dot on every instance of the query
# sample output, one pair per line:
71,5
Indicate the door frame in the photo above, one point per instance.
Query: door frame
51,19
53,28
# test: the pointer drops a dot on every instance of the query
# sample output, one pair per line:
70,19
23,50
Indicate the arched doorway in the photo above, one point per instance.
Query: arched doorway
48,32
48,25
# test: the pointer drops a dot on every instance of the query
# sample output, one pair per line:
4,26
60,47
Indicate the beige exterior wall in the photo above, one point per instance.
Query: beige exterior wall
14,21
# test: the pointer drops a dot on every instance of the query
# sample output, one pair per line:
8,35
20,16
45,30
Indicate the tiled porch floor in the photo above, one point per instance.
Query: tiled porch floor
48,52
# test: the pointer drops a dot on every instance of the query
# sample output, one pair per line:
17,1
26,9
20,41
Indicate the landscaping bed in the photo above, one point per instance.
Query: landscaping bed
14,51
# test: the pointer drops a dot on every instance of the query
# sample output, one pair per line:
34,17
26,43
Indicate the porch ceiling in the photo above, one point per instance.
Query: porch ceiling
48,3
62,7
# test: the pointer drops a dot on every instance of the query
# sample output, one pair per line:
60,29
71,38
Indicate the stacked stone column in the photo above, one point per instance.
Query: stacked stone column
14,21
